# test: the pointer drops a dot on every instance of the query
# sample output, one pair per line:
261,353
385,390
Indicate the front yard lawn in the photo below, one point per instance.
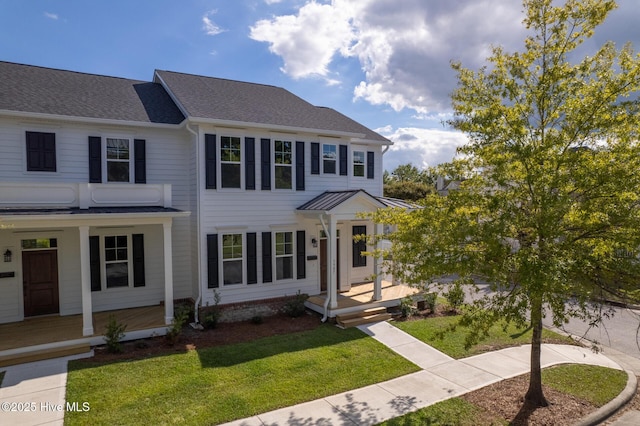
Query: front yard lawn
430,331
223,383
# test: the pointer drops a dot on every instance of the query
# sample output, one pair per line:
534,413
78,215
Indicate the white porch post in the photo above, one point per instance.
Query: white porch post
333,265
377,286
168,273
85,282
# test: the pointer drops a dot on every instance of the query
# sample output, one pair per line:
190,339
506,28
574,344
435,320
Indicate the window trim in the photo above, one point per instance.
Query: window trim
106,160
291,255
363,164
334,160
104,262
241,163
242,258
291,164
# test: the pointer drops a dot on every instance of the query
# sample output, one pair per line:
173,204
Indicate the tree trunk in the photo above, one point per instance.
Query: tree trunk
534,396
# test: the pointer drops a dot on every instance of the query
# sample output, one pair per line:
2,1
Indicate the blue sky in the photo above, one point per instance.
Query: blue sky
384,63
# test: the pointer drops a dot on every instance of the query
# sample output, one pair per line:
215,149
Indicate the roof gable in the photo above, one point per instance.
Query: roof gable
32,89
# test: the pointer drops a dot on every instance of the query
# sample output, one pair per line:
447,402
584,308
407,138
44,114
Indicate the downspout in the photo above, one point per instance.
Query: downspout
196,321
328,299
386,149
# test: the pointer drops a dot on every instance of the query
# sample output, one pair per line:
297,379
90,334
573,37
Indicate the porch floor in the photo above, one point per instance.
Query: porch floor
55,328
361,297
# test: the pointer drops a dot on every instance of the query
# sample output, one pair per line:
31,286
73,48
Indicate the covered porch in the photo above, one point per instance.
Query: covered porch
40,337
362,297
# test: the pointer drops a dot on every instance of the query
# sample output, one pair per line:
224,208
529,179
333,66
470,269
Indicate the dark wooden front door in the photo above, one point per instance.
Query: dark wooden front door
40,282
324,262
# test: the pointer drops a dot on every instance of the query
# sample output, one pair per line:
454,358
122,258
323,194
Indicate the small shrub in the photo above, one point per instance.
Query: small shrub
257,319
295,306
211,316
430,300
180,317
113,334
455,296
406,307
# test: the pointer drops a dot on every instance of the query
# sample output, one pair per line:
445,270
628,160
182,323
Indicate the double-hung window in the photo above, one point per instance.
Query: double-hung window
283,162
329,156
118,160
230,161
284,255
116,261
232,264
358,163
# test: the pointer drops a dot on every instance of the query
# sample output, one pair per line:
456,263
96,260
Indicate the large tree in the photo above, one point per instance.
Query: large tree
407,182
549,212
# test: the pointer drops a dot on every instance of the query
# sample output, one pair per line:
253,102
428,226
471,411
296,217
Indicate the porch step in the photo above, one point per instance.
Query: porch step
41,354
363,317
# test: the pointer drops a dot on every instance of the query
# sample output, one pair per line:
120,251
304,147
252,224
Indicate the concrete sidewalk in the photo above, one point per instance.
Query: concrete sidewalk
34,393
442,377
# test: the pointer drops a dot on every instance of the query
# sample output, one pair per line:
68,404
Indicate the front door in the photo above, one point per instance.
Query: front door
40,282
324,262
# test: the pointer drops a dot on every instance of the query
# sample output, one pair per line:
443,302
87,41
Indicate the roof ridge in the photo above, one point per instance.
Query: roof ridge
42,67
226,79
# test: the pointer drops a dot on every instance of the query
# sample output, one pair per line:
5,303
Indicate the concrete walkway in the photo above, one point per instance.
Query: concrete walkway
34,393
441,378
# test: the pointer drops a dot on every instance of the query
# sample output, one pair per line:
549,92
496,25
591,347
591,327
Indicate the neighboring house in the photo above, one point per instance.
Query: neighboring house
117,193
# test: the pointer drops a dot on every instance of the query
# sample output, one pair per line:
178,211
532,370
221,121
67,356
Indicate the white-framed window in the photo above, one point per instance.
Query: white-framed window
283,164
117,261
284,255
230,162
118,158
329,158
359,163
232,259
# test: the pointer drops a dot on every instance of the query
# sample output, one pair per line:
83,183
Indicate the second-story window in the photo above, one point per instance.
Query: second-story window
118,160
329,156
283,164
230,162
358,163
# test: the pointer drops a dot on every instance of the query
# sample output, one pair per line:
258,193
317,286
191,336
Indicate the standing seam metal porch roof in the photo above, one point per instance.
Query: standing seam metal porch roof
331,199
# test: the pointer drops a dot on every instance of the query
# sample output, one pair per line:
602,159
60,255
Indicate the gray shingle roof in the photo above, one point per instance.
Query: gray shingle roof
32,89
220,99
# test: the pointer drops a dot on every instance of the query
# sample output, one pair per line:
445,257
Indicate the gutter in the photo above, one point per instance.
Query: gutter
196,321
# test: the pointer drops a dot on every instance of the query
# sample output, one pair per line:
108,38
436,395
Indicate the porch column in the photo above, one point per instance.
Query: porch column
333,258
85,282
168,273
377,286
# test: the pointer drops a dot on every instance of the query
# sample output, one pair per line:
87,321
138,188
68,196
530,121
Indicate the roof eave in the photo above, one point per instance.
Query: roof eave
89,120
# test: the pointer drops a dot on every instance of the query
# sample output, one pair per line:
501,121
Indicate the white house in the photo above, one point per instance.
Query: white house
116,193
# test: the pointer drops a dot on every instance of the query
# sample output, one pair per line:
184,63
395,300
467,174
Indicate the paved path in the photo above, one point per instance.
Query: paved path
441,378
34,393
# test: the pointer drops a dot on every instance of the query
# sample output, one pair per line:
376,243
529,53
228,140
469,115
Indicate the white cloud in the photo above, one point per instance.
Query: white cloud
308,41
209,26
420,147
50,15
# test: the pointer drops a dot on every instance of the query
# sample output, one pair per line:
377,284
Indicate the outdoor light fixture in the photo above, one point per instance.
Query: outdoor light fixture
7,255
314,242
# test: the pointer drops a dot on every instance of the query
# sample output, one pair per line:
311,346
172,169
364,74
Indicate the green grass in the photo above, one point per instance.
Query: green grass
597,385
593,383
220,384
433,331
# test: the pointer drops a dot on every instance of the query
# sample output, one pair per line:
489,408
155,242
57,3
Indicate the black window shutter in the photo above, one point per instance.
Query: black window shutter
299,166
250,163
212,261
94,262
359,247
49,152
266,257
370,164
265,155
252,260
137,242
301,255
315,158
41,152
343,160
95,159
210,161
140,160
